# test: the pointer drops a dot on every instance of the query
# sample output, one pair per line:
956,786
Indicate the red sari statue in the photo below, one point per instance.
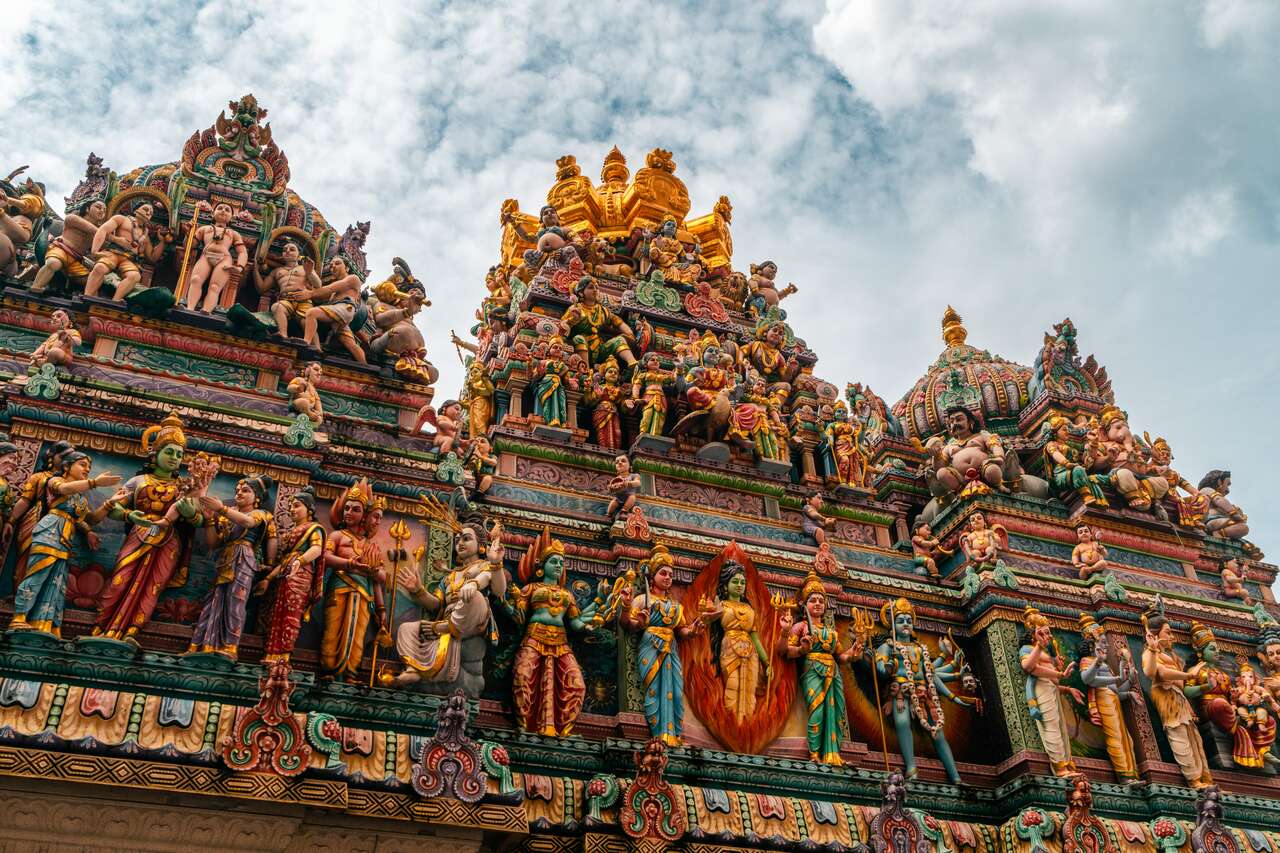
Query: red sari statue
300,574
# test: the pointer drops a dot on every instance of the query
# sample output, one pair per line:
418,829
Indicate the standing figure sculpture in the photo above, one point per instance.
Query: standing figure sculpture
1068,470
587,323
1223,518
222,255
299,578
120,244
1107,690
649,386
353,584
603,395
841,441
918,682
432,649
815,639
153,556
41,597
477,395
246,537
68,253
661,620
31,505
550,397
546,680
1045,668
60,347
735,642
1169,692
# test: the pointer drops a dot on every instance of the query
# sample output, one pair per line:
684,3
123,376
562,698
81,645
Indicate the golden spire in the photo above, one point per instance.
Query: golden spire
615,169
953,330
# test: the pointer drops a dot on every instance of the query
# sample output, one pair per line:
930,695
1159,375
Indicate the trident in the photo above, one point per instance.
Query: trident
399,533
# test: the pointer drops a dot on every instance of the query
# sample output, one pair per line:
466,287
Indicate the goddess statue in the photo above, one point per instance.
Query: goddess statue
1169,693
841,440
1067,468
735,643
477,395
550,401
661,620
667,255
1215,700
764,355
603,395
41,596
31,504
1107,689
298,577
918,683
431,649
815,639
547,684
246,538
153,556
1049,709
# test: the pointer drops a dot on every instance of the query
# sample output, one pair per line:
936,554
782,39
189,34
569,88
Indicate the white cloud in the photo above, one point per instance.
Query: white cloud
1023,161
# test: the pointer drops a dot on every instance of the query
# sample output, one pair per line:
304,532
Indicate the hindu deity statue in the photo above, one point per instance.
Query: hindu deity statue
753,426
661,620
623,487
1068,471
587,323
1223,518
40,599
546,681
815,639
918,682
16,227
354,584
498,302
153,556
1119,455
926,548
119,245
841,442
550,400
1108,688
981,543
1214,699
869,413
245,538
432,648
304,393
764,355
8,494
812,522
60,347
1171,685
1256,710
550,237
603,395
297,575
649,391
477,395
763,294
1233,580
398,300
481,462
447,423
735,642
1192,505
970,460
68,253
1268,651
341,301
222,255
1046,668
291,283
667,255
1089,556
30,505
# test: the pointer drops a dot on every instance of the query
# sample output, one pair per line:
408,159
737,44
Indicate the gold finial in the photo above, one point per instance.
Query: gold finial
953,330
615,169
567,167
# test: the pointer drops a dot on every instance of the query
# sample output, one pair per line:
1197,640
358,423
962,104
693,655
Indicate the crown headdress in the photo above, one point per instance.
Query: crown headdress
168,431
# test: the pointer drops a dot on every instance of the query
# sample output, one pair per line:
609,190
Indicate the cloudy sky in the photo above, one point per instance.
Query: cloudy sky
1023,161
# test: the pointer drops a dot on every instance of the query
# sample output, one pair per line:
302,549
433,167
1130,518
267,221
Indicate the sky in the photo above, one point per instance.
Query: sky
1022,160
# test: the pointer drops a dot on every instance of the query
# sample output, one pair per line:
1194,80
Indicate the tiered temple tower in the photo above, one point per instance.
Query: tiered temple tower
649,582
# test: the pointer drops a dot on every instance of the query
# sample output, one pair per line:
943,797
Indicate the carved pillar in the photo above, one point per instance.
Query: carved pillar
1002,638
516,391
571,400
